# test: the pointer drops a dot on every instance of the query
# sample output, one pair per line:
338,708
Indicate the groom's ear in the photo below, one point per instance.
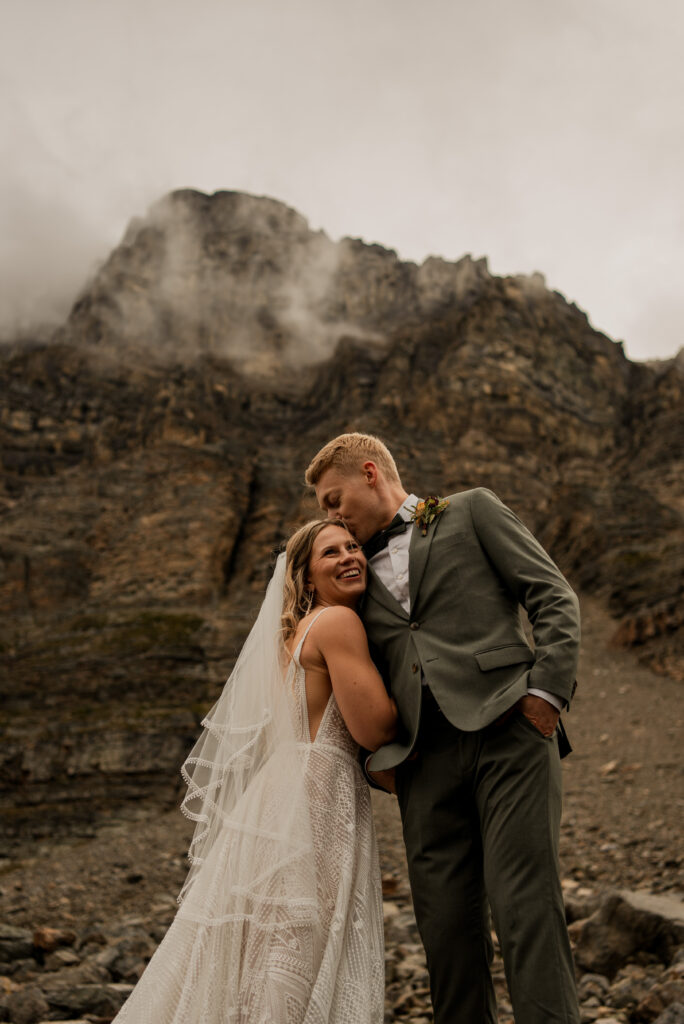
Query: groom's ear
370,472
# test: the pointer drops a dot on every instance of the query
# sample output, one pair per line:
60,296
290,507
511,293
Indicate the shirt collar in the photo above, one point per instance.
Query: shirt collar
405,509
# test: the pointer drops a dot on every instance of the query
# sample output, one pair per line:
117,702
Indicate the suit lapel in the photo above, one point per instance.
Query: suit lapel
379,592
419,550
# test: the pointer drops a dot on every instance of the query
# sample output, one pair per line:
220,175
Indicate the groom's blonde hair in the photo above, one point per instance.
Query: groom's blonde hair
348,452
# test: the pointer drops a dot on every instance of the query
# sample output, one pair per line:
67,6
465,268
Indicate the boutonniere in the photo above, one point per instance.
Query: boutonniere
425,512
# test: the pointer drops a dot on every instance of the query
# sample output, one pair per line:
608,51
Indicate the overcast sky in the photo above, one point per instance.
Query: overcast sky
547,135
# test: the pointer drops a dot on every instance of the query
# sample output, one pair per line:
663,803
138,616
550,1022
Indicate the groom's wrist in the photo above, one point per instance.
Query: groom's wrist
557,702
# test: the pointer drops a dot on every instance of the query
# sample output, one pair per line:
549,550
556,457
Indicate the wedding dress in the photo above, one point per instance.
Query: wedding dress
281,919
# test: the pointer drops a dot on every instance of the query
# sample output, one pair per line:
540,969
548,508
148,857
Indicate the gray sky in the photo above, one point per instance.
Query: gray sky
544,134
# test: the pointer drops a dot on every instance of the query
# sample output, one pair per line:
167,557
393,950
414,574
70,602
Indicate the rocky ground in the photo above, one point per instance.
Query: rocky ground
81,917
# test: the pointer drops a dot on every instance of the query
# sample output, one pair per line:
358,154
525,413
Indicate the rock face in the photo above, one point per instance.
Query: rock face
236,276
153,452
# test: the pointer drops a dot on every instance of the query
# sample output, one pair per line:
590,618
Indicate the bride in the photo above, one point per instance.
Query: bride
280,918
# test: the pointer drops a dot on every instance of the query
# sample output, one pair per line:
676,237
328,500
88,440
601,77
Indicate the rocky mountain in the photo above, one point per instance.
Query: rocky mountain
153,454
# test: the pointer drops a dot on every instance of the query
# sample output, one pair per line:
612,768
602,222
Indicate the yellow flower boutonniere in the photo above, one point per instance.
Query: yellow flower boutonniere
426,511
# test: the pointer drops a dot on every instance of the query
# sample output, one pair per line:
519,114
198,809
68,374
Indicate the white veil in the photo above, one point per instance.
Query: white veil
246,788
248,929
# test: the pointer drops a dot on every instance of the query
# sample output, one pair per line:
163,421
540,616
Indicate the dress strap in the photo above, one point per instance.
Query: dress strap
306,633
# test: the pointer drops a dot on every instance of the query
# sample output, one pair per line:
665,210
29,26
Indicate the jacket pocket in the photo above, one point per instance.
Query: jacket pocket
454,541
508,654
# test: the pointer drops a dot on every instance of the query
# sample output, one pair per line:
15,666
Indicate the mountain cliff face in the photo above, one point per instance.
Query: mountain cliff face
153,455
244,278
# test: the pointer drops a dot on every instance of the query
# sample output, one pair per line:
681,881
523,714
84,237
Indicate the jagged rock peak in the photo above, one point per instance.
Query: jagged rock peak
226,211
244,277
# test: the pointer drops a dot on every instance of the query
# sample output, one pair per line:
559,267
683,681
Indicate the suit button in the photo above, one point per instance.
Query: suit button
414,668
414,625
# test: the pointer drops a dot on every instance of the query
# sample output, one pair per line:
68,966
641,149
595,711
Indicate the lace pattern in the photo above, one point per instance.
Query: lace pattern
281,935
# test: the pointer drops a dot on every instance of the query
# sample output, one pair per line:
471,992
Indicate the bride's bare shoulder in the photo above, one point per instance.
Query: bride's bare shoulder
339,613
335,616
339,621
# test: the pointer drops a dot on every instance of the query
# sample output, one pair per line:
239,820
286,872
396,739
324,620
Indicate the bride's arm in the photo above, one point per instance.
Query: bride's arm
369,712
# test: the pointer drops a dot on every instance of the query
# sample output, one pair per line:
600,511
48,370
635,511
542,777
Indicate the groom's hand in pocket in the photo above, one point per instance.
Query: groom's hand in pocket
543,716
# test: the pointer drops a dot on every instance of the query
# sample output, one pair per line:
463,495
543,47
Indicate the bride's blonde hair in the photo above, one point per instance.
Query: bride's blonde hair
297,596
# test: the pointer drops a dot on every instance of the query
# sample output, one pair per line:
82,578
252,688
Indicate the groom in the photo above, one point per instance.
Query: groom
477,767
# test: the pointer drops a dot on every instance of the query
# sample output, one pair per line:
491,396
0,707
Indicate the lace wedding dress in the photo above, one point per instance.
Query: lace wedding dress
267,937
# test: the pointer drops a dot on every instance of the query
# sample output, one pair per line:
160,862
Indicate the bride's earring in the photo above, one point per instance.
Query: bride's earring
308,600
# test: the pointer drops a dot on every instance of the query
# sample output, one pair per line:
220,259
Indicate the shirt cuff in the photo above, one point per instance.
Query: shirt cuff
557,702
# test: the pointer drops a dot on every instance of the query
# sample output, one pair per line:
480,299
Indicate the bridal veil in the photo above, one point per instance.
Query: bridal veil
246,781
246,941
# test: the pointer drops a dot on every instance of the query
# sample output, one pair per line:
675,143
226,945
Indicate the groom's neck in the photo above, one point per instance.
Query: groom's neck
393,500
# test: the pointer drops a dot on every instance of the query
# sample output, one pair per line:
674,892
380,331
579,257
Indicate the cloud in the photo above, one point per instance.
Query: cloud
541,139
228,275
47,244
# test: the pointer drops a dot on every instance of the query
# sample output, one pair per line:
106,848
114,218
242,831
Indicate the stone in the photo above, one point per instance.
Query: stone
390,885
100,1000
27,1006
61,958
650,1006
674,1014
48,939
631,984
619,929
389,910
578,908
128,955
22,970
668,908
90,940
89,972
663,994
15,943
593,985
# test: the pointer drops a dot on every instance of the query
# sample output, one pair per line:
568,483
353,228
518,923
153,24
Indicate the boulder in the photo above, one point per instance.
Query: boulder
99,1000
27,1006
15,943
61,958
674,1014
624,924
48,939
86,973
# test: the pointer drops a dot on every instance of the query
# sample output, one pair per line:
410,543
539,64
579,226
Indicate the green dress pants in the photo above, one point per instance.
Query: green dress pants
481,816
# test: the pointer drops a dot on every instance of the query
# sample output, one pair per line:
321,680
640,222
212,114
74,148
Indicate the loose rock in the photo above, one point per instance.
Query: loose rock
617,930
27,1006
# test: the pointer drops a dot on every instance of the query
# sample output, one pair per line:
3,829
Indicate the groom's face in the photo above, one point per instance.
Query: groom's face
352,495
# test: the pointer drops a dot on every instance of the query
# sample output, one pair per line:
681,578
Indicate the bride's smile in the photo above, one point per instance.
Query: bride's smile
337,569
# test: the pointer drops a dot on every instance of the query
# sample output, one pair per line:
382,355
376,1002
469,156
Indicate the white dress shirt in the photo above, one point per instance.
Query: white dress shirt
391,566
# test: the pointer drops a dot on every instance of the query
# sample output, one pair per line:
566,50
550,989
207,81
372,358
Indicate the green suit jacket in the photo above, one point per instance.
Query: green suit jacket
467,577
